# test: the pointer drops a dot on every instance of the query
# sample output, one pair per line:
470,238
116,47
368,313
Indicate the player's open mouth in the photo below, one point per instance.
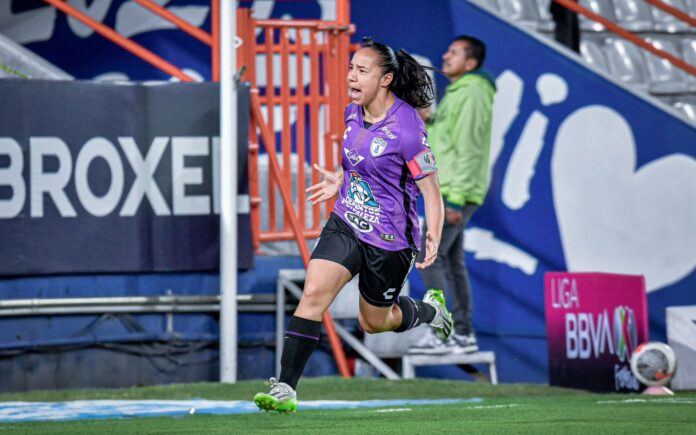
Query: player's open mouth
354,93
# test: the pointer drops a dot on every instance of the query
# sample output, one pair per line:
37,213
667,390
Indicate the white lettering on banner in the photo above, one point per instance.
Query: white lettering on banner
99,206
51,169
183,175
585,338
564,293
571,329
216,175
144,184
12,176
97,11
52,183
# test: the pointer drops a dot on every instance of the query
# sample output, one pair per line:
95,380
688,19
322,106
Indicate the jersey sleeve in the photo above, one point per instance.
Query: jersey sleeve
350,113
417,153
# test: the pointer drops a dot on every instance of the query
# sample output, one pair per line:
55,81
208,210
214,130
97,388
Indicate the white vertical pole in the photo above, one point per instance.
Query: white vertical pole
228,192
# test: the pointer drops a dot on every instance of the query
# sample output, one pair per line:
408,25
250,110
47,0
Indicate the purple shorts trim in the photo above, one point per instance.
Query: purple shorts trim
297,334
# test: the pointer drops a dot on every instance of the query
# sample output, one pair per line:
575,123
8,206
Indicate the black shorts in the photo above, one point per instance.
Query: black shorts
382,273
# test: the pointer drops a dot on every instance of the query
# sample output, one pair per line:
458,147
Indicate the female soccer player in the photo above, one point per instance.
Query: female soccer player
373,229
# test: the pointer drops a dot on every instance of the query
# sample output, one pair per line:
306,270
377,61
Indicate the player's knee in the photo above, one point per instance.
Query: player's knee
313,294
370,325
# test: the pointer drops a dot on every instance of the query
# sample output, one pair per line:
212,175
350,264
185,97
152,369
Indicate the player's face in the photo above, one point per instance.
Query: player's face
455,61
365,77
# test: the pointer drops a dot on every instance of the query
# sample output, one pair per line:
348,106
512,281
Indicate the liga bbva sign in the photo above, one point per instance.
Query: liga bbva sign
594,321
112,178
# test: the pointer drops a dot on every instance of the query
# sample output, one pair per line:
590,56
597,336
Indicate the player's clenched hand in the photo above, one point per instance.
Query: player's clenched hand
327,188
431,246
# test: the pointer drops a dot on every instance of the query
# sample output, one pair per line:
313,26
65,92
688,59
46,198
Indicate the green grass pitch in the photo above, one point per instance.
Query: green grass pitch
505,409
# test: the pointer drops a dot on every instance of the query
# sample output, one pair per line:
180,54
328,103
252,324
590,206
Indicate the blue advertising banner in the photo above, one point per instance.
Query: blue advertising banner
113,178
586,176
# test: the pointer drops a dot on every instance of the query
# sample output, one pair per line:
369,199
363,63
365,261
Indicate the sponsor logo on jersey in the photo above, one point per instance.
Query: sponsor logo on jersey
425,142
388,132
387,237
352,116
353,157
360,192
358,223
377,146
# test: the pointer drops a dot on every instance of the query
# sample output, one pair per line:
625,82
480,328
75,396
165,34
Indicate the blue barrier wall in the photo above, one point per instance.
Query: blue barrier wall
586,175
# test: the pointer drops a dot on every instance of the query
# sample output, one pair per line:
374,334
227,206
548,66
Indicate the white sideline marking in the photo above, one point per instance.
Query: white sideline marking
393,410
674,400
511,405
96,409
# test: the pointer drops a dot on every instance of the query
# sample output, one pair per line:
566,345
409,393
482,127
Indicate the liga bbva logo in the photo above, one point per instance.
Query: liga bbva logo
587,338
625,332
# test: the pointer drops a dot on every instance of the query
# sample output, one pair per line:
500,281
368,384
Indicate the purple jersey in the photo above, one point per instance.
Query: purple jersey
380,167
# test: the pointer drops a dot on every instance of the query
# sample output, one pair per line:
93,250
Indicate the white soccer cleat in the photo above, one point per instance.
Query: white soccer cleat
281,398
442,323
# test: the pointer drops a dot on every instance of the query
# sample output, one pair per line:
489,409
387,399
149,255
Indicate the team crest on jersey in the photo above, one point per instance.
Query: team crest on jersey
353,157
377,146
360,192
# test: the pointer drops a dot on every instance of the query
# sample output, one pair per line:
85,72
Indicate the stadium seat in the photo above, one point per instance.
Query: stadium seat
687,106
665,22
664,77
524,13
690,7
626,63
600,7
667,100
688,46
487,4
634,15
593,54
546,23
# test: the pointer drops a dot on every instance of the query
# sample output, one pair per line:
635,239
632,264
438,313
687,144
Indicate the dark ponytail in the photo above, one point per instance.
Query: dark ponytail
411,82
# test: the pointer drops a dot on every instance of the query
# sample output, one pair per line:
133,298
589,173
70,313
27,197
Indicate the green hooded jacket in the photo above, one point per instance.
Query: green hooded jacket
460,136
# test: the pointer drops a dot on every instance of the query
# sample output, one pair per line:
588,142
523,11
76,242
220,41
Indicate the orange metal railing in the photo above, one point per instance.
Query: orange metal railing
122,41
613,27
313,52
677,13
322,49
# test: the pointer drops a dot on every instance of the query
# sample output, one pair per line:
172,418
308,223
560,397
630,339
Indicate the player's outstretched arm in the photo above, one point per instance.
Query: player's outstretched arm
434,213
328,187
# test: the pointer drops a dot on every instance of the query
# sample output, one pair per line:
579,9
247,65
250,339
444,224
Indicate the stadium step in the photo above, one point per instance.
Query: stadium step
410,362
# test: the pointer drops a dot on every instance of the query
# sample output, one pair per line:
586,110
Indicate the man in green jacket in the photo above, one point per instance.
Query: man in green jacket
459,134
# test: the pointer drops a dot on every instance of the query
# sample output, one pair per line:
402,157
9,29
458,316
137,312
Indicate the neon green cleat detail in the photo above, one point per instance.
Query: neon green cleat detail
281,398
442,323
